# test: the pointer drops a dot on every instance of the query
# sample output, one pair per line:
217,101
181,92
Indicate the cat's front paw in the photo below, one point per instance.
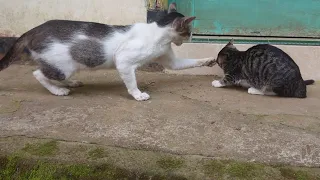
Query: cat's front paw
254,91
142,96
217,84
60,91
210,62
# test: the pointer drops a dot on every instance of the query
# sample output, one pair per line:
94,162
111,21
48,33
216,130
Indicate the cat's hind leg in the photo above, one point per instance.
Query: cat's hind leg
48,74
72,83
292,89
45,82
263,91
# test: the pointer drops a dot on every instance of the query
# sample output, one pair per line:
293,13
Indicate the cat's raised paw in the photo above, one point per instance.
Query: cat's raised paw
142,97
216,83
210,62
60,91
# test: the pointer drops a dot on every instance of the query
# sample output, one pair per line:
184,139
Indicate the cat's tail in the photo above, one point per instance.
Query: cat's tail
309,81
13,53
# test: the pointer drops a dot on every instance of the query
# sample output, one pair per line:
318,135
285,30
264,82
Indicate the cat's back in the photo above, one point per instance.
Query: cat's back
66,30
270,54
265,63
267,48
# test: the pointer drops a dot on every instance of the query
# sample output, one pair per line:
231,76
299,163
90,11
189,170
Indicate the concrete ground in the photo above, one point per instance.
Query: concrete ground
184,116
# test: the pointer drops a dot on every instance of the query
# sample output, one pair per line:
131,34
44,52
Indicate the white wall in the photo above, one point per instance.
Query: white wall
18,16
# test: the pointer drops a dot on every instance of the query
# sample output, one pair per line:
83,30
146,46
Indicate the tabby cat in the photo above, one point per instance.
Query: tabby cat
263,69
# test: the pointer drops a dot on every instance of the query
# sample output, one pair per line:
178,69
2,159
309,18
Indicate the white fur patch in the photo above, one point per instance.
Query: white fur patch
216,83
59,56
81,37
255,91
58,91
142,96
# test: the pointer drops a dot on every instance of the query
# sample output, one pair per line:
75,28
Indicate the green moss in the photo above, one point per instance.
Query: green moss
296,175
260,116
9,164
97,153
3,162
45,149
10,108
239,170
215,168
41,171
170,163
17,168
245,170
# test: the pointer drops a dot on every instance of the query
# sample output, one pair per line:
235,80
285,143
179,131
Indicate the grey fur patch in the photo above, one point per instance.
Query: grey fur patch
88,52
50,71
64,31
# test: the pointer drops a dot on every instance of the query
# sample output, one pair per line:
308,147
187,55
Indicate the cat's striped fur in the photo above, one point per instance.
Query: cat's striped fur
264,69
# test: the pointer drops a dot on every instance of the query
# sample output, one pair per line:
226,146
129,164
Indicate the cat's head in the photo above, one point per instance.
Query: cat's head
227,54
178,22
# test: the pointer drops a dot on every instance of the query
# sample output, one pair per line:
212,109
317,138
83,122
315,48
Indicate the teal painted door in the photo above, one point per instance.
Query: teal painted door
285,18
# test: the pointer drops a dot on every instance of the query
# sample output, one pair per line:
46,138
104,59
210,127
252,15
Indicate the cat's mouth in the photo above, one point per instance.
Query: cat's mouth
187,40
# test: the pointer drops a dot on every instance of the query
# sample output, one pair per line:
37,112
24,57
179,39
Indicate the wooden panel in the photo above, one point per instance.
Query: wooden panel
287,18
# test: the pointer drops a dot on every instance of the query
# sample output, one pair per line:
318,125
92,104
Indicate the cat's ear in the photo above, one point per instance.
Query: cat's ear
230,42
172,8
179,22
188,20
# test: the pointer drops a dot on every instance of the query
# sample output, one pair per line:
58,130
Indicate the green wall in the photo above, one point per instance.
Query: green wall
284,18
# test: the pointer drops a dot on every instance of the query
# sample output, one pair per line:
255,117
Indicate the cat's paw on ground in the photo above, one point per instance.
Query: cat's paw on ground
254,91
142,97
74,84
216,83
60,91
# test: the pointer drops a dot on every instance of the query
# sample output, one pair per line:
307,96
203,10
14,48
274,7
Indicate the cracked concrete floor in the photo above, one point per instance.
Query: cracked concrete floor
184,116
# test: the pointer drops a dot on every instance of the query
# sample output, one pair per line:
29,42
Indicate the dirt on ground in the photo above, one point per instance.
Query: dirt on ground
185,116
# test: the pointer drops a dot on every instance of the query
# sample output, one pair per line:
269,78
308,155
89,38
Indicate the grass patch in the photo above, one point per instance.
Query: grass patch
97,153
245,170
170,163
215,168
296,174
240,170
18,168
42,149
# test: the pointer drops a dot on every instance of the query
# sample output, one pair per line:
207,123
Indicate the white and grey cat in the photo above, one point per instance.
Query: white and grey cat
62,47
